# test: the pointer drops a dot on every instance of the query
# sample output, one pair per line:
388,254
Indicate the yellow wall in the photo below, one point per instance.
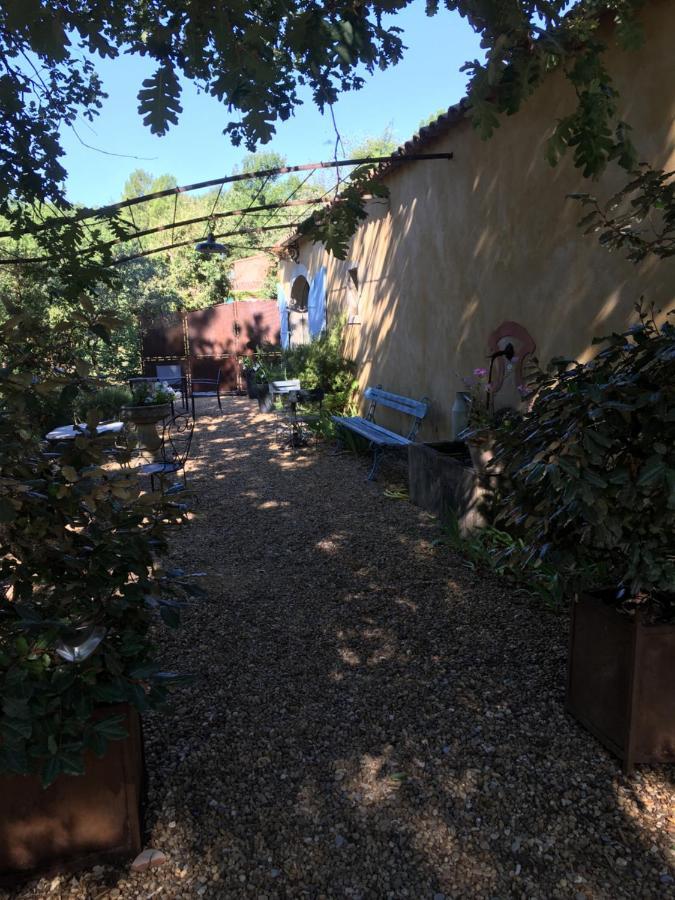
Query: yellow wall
464,245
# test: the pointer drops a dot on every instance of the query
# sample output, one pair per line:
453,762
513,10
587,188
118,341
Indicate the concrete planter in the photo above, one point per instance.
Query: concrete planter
251,387
621,682
443,481
265,398
78,820
146,419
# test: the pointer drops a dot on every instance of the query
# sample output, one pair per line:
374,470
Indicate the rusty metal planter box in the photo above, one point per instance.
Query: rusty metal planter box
442,480
621,682
78,820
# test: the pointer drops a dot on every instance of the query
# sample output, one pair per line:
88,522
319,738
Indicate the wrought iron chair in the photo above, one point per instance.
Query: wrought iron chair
295,420
203,394
309,412
173,454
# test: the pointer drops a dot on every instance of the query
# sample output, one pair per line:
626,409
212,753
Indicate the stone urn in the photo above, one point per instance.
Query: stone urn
145,418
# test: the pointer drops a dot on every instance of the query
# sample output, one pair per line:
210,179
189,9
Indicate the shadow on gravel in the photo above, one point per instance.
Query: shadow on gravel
372,719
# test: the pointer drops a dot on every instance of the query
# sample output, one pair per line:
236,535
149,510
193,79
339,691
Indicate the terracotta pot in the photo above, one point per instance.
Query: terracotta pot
146,419
79,820
621,682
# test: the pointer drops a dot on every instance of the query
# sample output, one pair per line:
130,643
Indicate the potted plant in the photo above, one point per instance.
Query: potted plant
591,472
151,403
262,389
107,401
250,367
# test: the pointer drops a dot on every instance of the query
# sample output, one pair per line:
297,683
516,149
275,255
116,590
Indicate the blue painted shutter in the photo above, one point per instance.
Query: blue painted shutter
283,316
317,303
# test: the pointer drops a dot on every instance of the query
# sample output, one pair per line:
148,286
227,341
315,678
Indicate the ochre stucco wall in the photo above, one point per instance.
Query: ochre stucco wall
467,244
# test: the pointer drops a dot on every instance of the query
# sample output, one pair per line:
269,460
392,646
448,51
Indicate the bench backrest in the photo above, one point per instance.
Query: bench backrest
415,408
169,373
292,384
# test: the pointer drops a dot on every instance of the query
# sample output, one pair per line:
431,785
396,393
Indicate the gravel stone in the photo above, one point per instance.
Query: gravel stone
359,689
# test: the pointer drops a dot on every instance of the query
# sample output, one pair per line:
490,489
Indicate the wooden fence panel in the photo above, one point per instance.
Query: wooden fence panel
208,340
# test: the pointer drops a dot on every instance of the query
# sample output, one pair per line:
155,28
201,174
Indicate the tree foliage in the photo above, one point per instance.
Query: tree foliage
321,363
334,226
152,286
79,545
255,57
639,219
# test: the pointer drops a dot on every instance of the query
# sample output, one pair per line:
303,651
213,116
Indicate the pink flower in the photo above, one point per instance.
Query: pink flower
479,373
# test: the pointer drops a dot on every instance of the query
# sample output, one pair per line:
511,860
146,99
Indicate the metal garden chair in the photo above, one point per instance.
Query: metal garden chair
203,394
173,454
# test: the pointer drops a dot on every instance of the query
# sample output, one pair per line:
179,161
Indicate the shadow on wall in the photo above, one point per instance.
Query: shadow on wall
468,247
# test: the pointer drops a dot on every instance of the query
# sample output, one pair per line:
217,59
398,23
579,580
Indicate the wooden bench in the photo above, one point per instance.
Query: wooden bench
380,438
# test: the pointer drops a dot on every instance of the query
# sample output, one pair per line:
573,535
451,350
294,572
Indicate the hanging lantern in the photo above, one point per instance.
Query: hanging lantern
211,246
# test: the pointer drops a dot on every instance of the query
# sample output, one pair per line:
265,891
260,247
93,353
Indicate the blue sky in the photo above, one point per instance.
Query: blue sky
426,80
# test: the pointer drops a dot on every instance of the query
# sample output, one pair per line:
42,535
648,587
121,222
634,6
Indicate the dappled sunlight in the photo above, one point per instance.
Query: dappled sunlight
293,462
331,545
359,717
348,656
601,317
273,504
407,605
372,781
386,648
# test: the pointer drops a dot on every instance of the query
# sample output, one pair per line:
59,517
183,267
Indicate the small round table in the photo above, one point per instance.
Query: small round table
70,432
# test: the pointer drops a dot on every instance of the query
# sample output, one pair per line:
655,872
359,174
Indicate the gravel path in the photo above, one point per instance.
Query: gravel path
371,719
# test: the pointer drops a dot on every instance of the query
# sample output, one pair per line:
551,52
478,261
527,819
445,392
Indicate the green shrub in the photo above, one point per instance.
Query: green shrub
503,554
79,567
591,468
322,364
108,401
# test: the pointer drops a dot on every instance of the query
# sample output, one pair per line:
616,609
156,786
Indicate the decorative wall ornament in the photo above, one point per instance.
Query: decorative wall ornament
508,375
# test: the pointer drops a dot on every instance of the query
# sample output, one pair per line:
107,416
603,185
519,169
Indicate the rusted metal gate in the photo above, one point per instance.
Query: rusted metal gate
206,341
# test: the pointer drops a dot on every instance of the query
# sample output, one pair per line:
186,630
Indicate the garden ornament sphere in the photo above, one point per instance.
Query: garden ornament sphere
80,642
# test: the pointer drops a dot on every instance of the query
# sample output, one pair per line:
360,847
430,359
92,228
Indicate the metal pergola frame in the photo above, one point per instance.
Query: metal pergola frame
383,164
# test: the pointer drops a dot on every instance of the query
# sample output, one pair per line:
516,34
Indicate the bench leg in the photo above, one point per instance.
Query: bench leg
378,453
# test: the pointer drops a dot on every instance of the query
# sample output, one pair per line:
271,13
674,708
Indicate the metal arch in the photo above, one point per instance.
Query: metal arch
110,209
